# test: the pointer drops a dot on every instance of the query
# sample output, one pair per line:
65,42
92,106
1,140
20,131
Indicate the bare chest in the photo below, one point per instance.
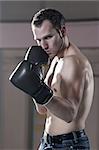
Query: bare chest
53,76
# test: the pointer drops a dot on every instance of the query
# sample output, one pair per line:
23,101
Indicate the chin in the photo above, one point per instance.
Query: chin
51,56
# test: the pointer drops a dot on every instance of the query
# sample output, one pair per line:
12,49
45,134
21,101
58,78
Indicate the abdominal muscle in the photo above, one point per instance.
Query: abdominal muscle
56,126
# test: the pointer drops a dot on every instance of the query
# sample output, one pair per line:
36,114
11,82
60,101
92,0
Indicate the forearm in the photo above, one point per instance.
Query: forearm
63,109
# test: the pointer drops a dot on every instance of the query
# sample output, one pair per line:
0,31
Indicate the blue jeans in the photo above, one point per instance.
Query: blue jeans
76,140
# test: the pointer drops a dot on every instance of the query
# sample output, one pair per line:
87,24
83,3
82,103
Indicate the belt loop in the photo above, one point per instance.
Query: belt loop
49,139
75,136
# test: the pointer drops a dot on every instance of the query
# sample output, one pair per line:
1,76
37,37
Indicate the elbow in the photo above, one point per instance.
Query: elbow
72,114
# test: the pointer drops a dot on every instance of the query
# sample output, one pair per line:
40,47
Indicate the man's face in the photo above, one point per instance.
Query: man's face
48,38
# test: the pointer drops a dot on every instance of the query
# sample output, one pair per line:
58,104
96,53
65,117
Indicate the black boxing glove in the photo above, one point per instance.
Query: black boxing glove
30,69
36,55
25,78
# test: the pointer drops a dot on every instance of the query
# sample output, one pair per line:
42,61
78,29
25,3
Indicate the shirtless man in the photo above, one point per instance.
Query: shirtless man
71,81
66,94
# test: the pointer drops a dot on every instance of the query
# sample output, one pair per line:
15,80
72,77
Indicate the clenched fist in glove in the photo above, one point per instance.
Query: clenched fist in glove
26,76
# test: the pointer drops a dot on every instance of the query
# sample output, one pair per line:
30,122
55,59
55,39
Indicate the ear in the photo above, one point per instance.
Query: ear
63,30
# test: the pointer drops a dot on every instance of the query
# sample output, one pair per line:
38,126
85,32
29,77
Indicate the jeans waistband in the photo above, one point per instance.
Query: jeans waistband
59,138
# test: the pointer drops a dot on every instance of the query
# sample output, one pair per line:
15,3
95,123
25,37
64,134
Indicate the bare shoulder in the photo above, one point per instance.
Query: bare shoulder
72,61
73,67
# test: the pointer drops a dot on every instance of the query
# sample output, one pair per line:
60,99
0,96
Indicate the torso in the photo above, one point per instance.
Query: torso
55,125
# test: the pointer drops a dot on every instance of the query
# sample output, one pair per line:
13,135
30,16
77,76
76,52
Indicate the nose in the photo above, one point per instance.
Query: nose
44,44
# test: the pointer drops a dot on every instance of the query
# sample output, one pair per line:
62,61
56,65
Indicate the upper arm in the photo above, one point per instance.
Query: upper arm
72,80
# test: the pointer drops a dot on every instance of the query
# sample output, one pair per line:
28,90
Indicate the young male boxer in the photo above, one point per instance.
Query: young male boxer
66,94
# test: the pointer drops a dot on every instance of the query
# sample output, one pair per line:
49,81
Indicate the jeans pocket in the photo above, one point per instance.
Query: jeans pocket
83,143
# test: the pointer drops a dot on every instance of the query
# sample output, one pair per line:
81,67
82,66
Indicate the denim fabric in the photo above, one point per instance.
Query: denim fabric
77,143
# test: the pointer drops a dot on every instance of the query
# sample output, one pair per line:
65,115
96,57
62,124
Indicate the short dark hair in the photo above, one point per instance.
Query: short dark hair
54,16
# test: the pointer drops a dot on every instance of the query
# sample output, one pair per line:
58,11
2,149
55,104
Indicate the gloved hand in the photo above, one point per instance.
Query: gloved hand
36,55
26,77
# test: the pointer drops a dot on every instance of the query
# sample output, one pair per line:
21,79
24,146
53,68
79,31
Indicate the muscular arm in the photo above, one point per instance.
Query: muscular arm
65,104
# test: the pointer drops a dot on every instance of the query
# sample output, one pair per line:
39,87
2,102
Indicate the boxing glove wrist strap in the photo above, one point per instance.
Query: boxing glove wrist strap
44,95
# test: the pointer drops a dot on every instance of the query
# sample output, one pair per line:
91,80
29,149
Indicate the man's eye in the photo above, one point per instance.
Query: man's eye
48,37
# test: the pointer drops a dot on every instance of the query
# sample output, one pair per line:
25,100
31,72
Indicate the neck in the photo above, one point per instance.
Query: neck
64,47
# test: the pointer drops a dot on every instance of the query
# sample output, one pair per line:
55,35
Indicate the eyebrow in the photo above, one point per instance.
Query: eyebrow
50,34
